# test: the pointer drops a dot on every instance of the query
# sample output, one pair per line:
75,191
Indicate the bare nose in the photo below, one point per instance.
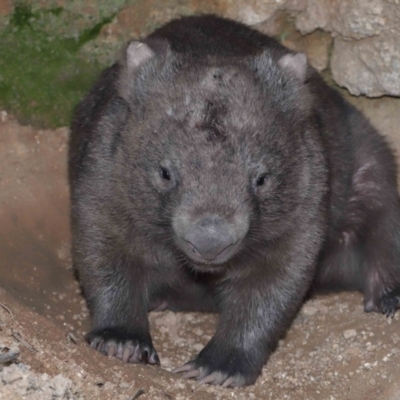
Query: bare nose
209,237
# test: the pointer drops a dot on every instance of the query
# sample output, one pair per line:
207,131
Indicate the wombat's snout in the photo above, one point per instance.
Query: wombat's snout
211,240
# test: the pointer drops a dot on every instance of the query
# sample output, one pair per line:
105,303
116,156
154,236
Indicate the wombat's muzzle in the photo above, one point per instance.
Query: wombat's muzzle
210,240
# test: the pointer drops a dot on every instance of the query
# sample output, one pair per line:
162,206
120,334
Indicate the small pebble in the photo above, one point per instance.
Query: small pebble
349,333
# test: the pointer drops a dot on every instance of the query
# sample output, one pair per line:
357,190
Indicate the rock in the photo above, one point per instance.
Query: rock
353,352
309,309
18,382
7,393
12,373
280,25
198,347
317,46
318,14
366,54
352,19
295,5
369,66
252,12
349,333
60,386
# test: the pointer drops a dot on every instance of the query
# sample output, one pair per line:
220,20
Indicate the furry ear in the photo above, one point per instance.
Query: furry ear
282,77
295,65
135,59
137,53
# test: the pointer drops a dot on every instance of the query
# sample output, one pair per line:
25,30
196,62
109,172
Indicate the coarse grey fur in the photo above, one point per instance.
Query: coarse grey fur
213,170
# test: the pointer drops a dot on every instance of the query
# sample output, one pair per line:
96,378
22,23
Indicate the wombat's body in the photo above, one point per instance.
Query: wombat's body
213,170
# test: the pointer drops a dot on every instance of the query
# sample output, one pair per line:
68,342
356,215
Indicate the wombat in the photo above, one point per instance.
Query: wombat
213,170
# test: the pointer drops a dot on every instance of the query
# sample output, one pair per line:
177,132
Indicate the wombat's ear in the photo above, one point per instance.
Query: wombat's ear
137,53
295,64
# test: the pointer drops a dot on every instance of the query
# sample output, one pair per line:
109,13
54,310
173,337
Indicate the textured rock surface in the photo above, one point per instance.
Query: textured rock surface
17,381
253,12
366,53
350,18
370,66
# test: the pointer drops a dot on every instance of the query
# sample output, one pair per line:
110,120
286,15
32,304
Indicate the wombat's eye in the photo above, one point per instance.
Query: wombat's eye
165,174
261,180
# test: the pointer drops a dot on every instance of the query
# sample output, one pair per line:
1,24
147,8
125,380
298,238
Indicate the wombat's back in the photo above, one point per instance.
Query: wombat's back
210,35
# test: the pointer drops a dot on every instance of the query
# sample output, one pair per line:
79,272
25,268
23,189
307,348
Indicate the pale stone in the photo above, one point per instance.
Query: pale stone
370,66
252,12
366,54
349,333
350,18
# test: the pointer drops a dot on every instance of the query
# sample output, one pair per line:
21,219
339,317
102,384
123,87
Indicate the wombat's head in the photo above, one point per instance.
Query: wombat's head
213,152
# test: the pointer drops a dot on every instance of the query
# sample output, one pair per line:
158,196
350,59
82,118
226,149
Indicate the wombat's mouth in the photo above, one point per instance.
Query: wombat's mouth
211,259
208,267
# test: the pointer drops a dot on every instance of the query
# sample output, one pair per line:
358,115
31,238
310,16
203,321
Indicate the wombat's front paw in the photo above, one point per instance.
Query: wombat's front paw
119,343
229,368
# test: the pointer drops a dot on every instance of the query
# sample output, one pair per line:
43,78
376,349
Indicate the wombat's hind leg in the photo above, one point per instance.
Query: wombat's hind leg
374,210
382,266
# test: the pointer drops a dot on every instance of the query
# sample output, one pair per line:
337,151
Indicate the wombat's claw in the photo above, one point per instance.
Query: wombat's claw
159,307
389,307
215,378
390,303
97,344
190,371
230,382
191,374
112,344
111,350
184,368
128,352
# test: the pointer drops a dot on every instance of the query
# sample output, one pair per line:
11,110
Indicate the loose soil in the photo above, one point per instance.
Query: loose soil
333,350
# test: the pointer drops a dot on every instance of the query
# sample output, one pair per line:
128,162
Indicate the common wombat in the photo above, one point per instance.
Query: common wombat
213,170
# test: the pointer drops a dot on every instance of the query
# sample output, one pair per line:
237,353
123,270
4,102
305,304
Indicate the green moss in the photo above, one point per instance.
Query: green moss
42,77
22,16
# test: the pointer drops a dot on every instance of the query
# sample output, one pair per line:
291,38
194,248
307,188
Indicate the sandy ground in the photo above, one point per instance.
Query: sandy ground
333,350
